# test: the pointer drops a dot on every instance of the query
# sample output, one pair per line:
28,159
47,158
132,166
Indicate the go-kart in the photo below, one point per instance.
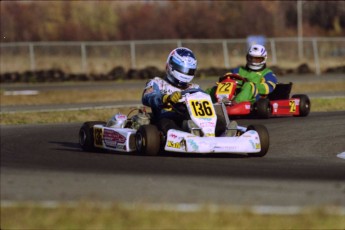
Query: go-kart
207,129
276,104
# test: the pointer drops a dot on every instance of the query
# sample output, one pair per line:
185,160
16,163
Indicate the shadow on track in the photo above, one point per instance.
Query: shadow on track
74,147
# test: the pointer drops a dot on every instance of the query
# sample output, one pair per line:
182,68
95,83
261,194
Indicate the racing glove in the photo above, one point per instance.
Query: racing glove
172,98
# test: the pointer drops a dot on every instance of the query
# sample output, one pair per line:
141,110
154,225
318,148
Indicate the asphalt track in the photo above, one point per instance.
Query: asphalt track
45,163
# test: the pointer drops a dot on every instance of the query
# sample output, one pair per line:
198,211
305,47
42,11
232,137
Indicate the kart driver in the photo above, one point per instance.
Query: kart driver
159,94
261,81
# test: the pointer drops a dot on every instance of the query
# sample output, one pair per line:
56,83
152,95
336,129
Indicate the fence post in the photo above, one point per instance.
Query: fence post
32,57
83,58
300,29
226,56
273,51
316,57
133,58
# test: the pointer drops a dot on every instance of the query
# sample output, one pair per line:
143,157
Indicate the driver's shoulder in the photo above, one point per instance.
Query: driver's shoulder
193,86
156,81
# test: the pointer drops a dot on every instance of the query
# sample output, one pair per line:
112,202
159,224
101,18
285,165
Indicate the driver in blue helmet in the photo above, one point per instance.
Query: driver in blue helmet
159,94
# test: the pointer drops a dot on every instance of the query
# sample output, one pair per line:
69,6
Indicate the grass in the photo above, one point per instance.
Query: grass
60,116
72,96
327,104
86,215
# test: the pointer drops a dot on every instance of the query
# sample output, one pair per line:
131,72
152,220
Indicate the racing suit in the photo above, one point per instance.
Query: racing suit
260,83
152,97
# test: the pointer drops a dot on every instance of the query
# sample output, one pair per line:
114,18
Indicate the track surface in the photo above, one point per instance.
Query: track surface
45,163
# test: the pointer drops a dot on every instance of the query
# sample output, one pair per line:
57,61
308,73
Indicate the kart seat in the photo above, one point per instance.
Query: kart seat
282,91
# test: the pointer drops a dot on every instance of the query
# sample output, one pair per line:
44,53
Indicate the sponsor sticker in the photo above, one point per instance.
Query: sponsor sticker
173,135
113,139
193,145
98,133
275,107
175,145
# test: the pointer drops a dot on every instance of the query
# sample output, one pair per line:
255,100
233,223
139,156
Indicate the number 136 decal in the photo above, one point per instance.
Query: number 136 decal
202,108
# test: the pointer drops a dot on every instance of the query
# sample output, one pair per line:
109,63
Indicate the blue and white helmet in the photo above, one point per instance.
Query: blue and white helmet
180,67
256,57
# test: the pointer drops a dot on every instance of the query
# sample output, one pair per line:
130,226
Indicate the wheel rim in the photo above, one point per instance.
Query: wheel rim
82,137
139,141
307,105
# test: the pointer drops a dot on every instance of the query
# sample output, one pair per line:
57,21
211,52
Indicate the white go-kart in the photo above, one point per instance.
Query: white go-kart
206,129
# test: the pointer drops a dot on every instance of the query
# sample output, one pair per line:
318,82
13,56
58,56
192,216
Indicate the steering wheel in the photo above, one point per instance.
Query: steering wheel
233,76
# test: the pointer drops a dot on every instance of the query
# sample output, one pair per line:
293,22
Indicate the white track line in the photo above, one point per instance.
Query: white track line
341,155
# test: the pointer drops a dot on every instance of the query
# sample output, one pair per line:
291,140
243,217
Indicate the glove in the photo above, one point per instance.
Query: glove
173,98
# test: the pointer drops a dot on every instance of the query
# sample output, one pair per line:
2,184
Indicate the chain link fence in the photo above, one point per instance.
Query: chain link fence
319,53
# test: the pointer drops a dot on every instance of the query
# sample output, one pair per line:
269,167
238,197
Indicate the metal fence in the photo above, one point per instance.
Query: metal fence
319,53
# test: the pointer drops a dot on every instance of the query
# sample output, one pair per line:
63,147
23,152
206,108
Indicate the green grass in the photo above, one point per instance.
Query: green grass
113,216
327,104
60,116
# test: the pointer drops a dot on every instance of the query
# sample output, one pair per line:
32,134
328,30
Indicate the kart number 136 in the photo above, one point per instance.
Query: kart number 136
201,108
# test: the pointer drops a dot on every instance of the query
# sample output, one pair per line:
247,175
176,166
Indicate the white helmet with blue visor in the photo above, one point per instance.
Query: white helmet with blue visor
181,66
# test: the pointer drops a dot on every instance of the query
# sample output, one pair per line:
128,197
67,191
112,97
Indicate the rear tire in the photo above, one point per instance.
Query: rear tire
147,140
263,108
86,138
264,139
304,104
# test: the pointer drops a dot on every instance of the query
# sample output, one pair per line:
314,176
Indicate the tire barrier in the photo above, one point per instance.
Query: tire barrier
119,73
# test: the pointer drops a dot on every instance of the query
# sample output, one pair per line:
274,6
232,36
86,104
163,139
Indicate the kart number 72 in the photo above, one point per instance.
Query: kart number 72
224,88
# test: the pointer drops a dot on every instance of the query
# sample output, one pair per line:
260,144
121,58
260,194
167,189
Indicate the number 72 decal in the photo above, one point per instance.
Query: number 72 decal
224,88
292,105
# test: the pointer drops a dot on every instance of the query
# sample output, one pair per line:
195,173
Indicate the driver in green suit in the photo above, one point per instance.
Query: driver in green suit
261,81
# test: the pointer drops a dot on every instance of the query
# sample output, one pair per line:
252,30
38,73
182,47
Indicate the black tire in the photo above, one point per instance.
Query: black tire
86,138
147,140
263,108
304,104
264,139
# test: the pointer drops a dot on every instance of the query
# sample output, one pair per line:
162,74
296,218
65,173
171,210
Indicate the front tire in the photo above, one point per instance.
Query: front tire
147,140
86,139
304,104
264,139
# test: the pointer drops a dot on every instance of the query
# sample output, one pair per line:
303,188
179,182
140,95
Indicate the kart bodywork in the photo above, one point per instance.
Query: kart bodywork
140,134
277,104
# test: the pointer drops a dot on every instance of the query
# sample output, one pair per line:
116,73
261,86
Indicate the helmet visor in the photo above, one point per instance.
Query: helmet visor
180,68
255,59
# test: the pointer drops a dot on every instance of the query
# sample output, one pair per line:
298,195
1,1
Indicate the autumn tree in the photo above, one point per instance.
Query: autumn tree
136,20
